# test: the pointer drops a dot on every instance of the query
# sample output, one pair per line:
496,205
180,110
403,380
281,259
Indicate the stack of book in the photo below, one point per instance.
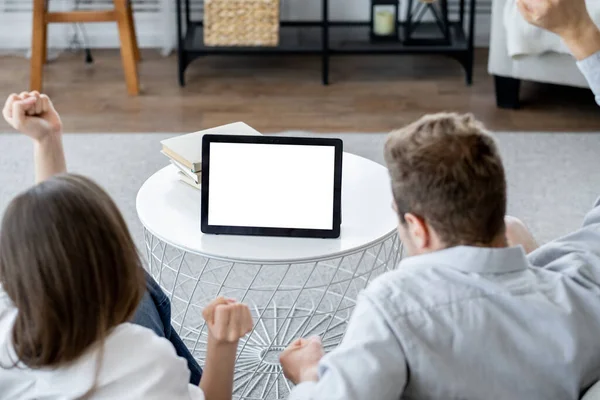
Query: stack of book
185,152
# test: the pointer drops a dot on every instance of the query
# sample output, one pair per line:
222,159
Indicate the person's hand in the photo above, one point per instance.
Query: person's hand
518,234
300,360
32,114
566,18
228,321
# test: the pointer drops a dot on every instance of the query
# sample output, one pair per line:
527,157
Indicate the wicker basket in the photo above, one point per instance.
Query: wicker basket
251,23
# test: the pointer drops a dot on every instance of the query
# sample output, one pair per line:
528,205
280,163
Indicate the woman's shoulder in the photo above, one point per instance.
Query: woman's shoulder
135,338
142,349
134,364
136,354
8,314
5,302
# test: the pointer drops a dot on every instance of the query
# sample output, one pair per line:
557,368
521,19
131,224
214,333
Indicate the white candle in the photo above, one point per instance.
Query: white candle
384,24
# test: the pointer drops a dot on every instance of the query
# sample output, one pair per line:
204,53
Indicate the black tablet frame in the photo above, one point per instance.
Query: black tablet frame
264,231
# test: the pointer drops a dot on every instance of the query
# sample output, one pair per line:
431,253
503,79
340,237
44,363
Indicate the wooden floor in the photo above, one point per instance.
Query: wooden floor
367,94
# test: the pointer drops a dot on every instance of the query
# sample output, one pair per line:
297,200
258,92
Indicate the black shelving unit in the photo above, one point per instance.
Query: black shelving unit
329,38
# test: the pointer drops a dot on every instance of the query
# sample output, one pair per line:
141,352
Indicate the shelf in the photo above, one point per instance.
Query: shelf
344,38
355,38
326,38
294,38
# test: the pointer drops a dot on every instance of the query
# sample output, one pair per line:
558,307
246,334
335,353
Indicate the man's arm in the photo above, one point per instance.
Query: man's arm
583,41
590,67
570,20
369,364
577,254
585,46
34,115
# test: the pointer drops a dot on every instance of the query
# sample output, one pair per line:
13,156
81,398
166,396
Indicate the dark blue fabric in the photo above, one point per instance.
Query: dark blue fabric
154,312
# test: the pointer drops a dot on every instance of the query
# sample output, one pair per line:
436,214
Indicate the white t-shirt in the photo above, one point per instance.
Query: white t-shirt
137,365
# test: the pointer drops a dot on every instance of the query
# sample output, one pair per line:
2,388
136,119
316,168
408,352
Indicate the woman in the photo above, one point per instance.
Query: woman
71,280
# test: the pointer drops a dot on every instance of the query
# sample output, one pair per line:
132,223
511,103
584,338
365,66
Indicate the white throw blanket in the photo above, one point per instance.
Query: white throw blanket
525,39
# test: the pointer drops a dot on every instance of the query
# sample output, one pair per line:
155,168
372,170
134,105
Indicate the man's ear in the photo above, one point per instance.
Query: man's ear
419,231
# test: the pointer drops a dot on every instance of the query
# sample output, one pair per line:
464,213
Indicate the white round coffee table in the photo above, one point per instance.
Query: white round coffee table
295,287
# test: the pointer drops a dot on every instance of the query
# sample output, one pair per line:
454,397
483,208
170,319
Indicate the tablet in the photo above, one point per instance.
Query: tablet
271,186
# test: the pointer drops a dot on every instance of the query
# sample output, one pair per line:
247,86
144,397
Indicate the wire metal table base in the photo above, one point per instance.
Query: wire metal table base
291,300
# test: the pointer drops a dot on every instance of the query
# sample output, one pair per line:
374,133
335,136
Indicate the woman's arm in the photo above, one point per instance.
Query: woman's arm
227,322
49,158
33,114
217,378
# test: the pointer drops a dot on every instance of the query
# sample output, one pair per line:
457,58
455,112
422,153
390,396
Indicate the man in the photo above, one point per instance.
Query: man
467,317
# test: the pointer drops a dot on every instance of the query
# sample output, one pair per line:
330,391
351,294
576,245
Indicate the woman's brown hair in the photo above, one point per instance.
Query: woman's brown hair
71,268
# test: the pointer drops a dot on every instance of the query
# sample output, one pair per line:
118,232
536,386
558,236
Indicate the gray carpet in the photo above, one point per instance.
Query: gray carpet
553,178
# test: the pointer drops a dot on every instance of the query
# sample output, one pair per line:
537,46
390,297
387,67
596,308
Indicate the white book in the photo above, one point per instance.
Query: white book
195,176
186,179
187,149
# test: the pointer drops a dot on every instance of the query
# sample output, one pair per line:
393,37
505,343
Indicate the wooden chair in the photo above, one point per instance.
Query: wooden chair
122,14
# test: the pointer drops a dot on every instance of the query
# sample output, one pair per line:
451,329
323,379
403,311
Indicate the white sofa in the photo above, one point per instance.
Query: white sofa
593,393
508,72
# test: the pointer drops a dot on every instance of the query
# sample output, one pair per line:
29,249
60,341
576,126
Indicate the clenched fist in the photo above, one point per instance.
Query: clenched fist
567,18
33,114
228,321
301,359
563,17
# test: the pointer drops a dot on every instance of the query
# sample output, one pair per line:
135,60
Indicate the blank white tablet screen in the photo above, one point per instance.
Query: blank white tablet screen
271,185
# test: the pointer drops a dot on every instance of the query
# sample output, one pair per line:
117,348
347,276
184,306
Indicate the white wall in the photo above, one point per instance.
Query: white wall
151,23
155,20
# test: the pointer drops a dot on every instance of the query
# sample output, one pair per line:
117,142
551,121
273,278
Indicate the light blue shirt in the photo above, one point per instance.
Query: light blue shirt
476,323
591,69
